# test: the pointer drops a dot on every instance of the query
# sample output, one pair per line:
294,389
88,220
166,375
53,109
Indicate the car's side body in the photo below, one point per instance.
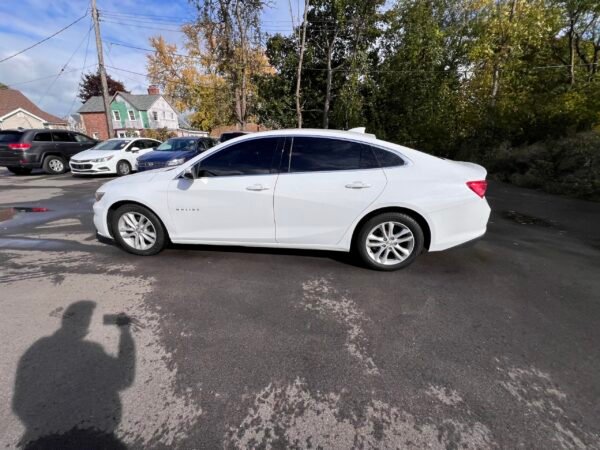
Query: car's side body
93,161
27,149
312,210
157,159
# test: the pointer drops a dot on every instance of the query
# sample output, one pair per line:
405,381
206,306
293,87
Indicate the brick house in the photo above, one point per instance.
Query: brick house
17,111
130,114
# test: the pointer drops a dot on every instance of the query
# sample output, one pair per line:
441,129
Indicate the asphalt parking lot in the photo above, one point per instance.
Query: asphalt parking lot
491,346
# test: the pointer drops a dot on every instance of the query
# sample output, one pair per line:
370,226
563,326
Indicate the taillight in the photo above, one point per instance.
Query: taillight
479,187
19,146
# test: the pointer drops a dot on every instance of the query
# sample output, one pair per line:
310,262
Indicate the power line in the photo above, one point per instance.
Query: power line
44,40
42,78
87,48
43,97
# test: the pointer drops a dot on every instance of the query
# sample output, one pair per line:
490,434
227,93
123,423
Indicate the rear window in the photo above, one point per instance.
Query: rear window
387,158
10,136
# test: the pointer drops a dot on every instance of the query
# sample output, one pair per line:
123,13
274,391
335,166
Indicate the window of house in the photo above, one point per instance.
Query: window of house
164,115
253,157
312,154
131,114
116,114
154,115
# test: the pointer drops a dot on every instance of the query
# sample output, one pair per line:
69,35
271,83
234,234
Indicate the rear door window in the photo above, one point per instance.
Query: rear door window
62,136
315,154
44,136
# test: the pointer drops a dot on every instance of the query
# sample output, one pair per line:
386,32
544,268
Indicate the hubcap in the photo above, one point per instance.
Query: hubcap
124,168
390,243
137,231
56,165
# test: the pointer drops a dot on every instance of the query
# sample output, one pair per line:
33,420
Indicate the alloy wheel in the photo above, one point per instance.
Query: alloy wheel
137,230
390,243
56,165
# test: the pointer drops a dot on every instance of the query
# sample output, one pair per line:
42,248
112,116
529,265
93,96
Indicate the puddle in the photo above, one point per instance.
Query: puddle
9,213
525,219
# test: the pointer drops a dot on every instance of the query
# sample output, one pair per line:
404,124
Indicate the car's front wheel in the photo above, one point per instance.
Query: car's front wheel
138,230
54,165
123,168
389,241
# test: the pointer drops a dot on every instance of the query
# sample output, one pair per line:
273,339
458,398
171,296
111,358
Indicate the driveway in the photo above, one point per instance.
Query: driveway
491,346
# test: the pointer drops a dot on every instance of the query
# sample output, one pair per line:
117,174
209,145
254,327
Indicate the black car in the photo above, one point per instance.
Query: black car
21,151
173,152
231,134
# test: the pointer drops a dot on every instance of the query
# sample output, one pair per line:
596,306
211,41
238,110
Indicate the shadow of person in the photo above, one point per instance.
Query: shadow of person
67,388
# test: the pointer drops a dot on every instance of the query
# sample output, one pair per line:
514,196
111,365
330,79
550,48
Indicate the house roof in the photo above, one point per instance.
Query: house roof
94,104
141,102
11,99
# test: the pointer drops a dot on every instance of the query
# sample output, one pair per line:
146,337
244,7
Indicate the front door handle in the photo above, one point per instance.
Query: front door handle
257,187
357,185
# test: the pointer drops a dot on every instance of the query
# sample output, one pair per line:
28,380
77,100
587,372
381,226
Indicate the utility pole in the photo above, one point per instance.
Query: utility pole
101,69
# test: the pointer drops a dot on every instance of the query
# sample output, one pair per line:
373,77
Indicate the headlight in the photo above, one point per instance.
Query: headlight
99,195
106,158
175,162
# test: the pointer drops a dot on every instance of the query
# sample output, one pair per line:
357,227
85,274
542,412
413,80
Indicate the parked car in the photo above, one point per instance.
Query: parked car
312,189
231,135
173,152
117,156
21,151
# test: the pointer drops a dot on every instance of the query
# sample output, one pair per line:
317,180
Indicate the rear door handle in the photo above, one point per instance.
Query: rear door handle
357,185
257,187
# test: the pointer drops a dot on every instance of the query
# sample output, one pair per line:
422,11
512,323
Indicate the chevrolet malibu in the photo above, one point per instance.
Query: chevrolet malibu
311,189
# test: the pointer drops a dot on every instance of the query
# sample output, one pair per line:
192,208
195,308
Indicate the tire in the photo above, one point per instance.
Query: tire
406,232
54,165
19,170
123,222
123,168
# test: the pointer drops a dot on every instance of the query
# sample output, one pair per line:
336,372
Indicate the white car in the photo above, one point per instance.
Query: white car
116,156
301,188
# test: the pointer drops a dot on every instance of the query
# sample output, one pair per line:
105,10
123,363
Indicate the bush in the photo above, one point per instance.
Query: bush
566,166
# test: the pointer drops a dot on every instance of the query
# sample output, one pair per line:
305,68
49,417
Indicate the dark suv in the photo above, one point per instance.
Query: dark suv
21,151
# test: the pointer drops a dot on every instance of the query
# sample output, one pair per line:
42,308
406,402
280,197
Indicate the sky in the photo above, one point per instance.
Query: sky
130,22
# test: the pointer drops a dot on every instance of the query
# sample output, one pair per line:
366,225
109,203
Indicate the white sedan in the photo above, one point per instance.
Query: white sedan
114,156
301,188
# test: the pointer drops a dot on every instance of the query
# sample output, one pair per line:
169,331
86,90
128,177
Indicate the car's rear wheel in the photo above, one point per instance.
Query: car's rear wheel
138,230
389,241
19,170
123,168
54,165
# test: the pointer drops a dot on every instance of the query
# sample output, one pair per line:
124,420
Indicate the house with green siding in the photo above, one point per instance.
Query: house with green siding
130,114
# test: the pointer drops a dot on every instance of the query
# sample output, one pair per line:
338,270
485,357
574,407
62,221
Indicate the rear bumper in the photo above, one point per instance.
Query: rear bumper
459,224
16,162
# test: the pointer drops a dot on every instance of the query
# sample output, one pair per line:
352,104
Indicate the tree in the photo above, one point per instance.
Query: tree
231,35
91,86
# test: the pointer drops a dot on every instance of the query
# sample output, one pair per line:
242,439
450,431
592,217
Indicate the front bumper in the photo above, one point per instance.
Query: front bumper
101,220
88,167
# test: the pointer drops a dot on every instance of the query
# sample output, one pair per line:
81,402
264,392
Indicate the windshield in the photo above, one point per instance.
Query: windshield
116,144
178,145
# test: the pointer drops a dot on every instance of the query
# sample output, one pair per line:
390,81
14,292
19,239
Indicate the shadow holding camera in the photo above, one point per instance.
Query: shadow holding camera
67,388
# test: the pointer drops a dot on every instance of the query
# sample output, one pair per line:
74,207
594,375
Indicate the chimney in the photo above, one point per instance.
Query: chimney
153,90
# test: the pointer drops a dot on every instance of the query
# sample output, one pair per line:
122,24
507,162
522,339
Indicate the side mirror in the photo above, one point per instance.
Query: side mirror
189,173
135,149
